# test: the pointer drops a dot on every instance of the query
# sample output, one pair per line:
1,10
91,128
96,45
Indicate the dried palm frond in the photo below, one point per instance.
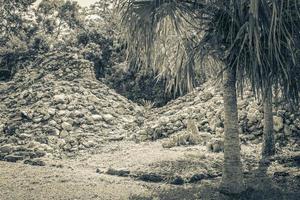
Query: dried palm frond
257,38
160,36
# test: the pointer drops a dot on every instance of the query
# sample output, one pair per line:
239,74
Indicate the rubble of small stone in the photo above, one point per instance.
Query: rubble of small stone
192,136
56,107
205,106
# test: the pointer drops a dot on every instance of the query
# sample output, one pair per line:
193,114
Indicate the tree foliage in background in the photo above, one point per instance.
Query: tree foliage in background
15,33
27,33
96,33
102,42
58,21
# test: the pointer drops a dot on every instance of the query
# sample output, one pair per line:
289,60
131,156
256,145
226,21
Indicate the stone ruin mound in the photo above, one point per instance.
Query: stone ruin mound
204,106
56,107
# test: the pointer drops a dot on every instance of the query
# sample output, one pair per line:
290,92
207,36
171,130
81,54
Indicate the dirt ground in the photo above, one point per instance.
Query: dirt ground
126,170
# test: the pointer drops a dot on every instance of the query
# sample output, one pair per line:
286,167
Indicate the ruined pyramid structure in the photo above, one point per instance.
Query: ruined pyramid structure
56,107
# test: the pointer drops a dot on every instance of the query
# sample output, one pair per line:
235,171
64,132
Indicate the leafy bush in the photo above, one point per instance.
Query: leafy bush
96,48
138,86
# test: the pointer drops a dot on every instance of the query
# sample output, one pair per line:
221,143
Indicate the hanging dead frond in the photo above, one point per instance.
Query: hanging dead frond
257,38
160,36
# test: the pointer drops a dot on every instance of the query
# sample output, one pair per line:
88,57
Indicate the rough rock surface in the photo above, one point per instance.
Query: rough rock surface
205,107
59,108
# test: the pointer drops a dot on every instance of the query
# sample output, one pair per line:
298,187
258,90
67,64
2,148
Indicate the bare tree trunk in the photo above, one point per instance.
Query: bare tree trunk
276,96
232,178
268,148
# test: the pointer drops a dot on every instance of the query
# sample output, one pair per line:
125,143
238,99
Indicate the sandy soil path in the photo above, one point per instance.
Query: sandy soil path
86,176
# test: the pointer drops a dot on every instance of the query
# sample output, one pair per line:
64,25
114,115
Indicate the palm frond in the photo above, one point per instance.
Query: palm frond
160,37
258,38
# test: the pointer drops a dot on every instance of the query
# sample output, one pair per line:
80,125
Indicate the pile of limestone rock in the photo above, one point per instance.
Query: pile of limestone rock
205,106
56,107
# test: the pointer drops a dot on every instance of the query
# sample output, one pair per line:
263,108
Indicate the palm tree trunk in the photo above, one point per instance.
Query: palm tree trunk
232,178
268,148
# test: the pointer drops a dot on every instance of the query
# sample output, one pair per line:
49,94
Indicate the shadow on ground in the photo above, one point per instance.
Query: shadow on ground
212,193
259,186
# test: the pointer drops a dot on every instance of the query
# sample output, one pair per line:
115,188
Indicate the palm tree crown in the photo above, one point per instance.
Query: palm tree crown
258,38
